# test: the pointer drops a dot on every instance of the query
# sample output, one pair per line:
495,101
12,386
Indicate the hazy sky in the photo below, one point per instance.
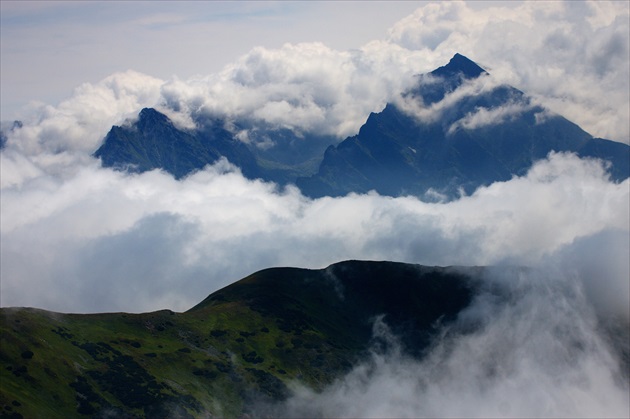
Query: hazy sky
50,47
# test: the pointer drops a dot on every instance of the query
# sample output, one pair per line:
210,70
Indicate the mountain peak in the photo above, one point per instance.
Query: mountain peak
151,115
460,65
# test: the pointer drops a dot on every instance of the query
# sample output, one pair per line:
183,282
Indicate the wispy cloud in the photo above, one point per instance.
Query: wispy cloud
528,346
482,117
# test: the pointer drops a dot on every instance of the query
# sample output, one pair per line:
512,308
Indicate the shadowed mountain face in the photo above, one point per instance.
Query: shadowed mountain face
455,131
153,142
240,347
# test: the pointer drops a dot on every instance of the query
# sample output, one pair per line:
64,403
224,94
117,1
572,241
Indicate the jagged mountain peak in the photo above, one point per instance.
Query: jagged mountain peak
476,140
458,147
151,113
150,116
154,142
460,64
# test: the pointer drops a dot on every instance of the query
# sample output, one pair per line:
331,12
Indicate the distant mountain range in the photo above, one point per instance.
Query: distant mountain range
153,142
237,349
446,135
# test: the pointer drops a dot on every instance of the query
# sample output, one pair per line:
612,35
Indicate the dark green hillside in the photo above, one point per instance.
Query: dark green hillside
242,345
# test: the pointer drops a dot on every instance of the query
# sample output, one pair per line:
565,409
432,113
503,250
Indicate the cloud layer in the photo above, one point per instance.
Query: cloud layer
69,226
570,55
147,242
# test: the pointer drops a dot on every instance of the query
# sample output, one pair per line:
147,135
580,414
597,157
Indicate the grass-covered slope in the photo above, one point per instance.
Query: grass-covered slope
242,345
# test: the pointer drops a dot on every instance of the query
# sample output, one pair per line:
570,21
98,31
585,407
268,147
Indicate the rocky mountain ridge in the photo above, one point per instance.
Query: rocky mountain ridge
454,131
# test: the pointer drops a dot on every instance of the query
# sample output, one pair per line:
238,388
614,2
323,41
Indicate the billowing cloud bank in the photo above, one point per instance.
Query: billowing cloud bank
573,57
103,240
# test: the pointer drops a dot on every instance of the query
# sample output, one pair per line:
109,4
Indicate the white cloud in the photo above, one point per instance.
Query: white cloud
79,123
48,48
482,117
578,69
573,56
305,87
414,106
222,227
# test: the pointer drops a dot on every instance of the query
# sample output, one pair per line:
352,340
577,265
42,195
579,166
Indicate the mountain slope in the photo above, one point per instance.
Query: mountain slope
240,346
454,130
153,142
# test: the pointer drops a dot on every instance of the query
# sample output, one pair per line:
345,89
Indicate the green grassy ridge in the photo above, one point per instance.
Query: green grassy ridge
243,345
204,364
